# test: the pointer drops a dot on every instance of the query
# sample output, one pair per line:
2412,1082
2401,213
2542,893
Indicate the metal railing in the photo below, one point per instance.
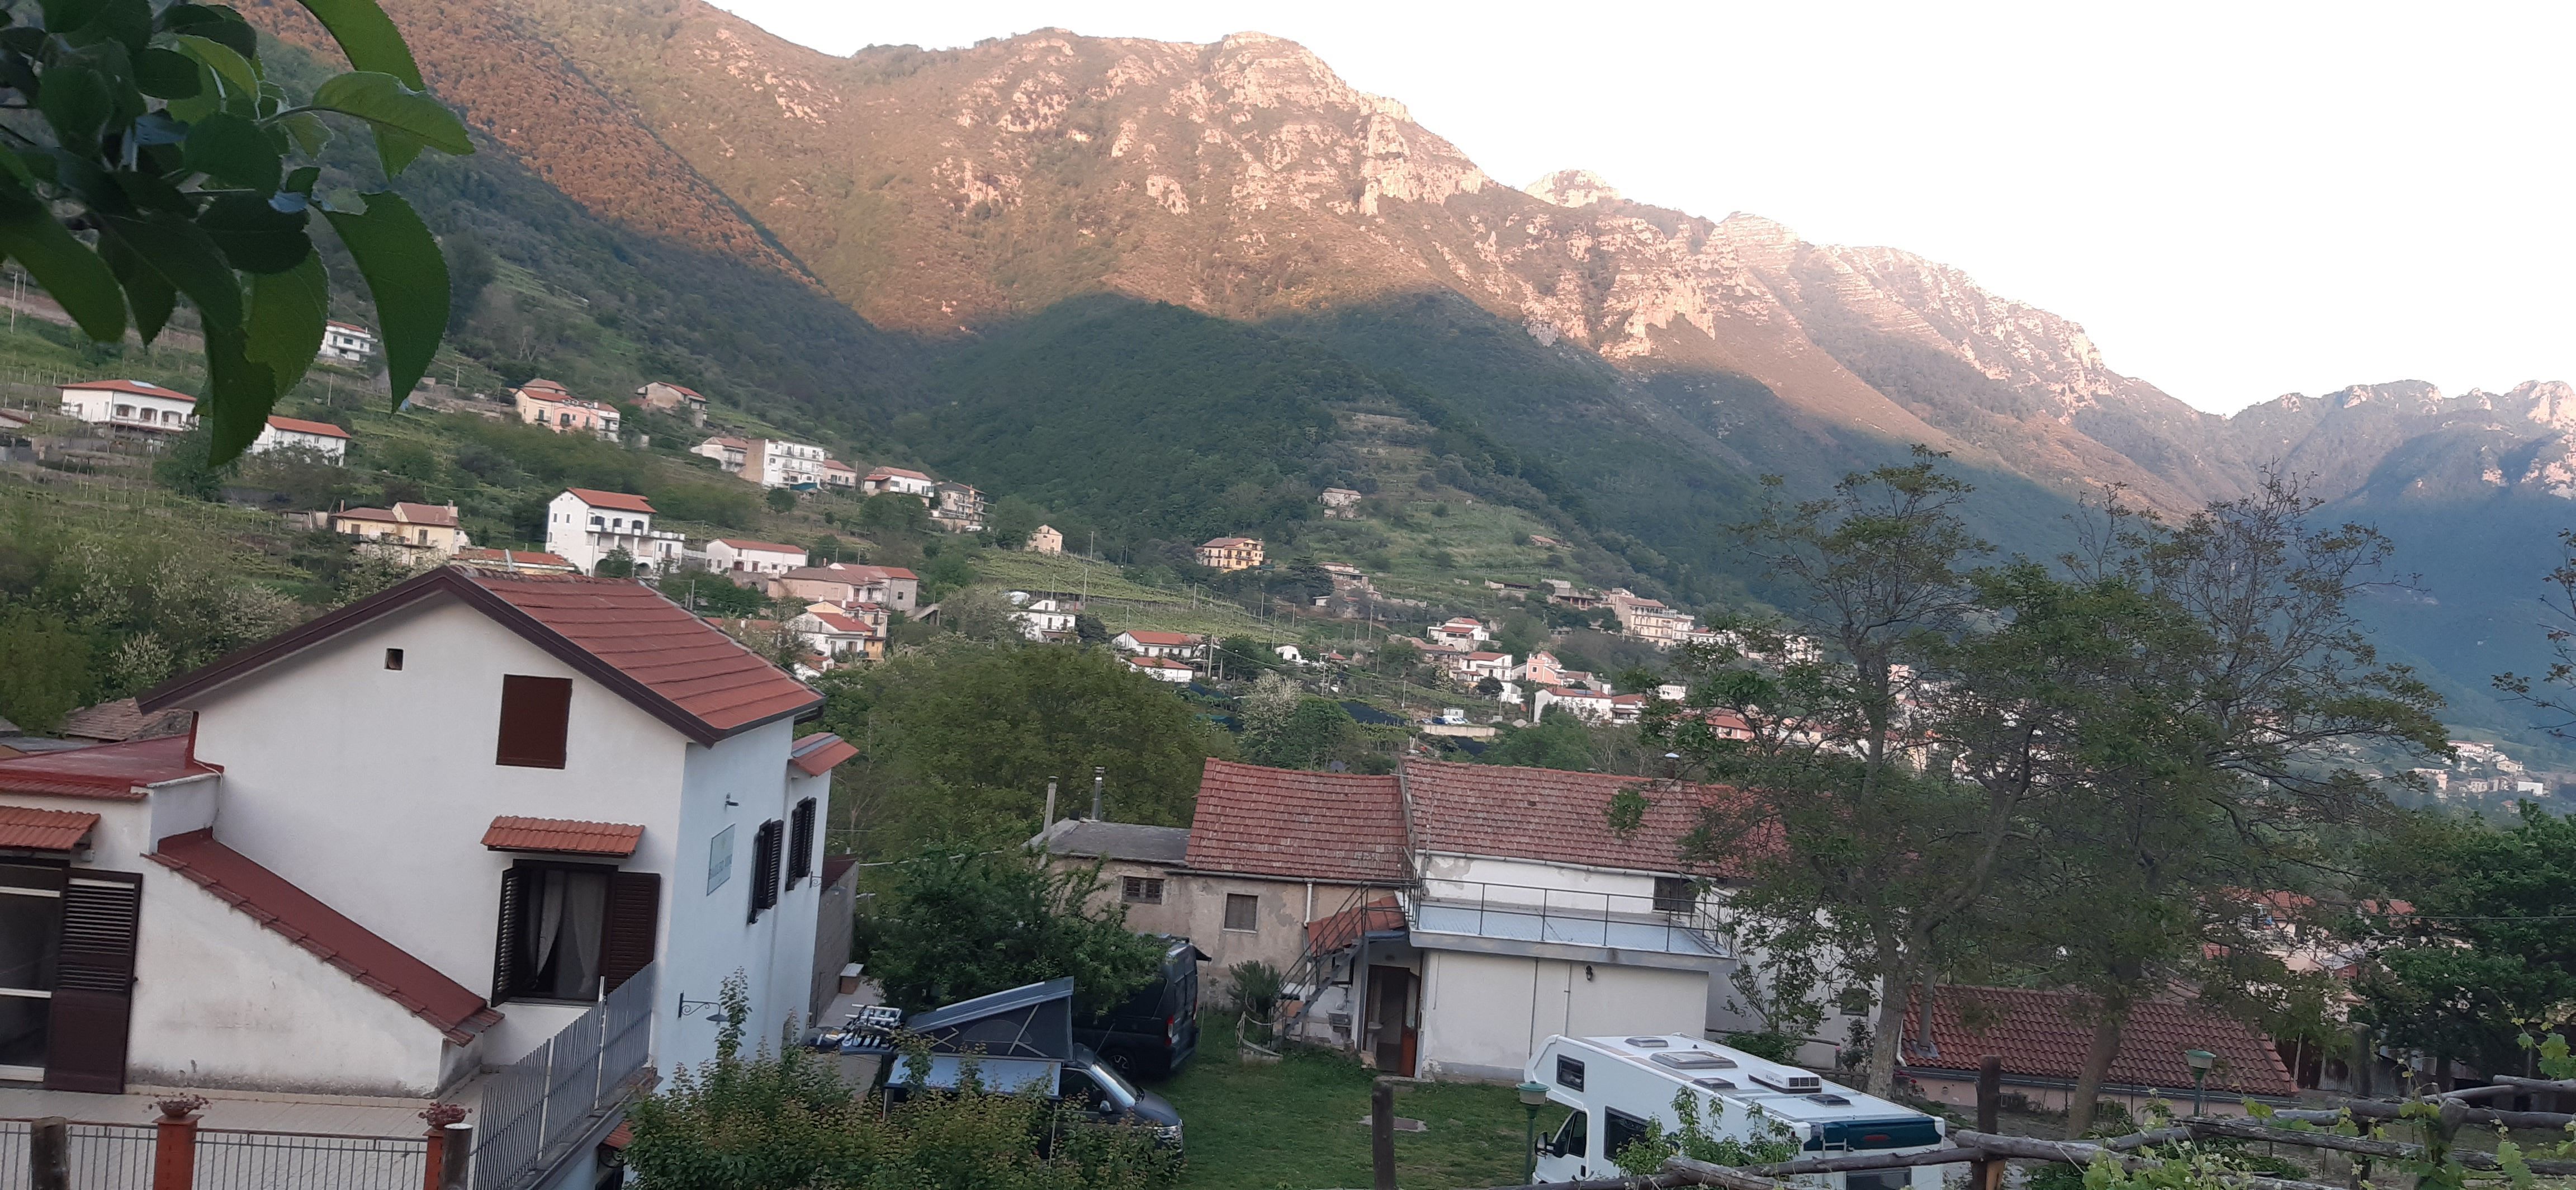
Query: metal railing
232,1159
103,1156
1579,917
537,1108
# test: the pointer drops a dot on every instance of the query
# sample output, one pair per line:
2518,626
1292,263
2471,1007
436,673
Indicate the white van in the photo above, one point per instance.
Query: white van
1615,1085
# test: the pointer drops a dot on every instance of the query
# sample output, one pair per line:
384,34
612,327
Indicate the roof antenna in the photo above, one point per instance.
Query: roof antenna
1097,775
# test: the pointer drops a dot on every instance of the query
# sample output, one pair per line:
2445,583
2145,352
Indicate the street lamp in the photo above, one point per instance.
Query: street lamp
1533,1096
2201,1061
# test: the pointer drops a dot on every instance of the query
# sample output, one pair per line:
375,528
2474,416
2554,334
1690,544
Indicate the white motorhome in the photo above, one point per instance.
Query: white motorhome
1614,1086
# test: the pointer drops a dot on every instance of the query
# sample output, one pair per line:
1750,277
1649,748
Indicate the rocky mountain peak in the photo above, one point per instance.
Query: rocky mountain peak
1572,188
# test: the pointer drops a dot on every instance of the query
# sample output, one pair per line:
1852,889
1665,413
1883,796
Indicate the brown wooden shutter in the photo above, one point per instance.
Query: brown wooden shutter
536,714
508,959
765,846
800,842
94,983
634,909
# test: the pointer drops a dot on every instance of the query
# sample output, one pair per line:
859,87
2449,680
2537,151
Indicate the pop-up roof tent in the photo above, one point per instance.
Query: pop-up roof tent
1018,1039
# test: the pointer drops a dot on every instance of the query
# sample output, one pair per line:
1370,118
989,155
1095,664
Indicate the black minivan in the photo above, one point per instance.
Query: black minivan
1156,1030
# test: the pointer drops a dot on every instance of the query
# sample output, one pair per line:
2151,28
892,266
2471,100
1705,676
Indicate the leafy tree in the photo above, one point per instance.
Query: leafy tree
2483,953
617,564
1399,656
1088,629
714,595
1010,521
1241,656
198,175
47,675
1559,740
780,500
892,513
188,467
980,614
960,924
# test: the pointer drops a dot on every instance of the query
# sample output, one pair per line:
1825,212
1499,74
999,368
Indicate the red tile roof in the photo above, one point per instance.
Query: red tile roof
895,473
616,500
43,830
1549,815
118,772
620,633
1332,933
294,425
745,543
1153,663
1167,639
543,383
357,951
875,571
134,387
506,558
122,720
2045,1034
366,514
425,514
679,388
566,836
1280,822
815,754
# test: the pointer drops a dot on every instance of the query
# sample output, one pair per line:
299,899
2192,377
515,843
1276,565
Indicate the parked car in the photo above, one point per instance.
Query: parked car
1020,1040
1156,1030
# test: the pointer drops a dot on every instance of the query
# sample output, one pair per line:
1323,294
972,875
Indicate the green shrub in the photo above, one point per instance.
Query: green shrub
1257,986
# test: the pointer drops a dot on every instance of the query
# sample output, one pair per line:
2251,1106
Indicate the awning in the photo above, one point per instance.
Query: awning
31,829
562,836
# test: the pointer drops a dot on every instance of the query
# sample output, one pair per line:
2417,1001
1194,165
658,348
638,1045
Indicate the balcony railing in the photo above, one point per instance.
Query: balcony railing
536,1109
1680,925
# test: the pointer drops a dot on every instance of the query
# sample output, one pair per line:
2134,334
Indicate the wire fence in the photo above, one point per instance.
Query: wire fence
537,1108
120,1157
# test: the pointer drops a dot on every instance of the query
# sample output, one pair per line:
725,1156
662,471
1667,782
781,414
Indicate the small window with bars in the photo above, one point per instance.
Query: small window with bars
768,845
1147,890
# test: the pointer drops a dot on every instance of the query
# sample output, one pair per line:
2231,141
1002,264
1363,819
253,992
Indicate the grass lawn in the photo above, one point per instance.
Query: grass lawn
1302,1124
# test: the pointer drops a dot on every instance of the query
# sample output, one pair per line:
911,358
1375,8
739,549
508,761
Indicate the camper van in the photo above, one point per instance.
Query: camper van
1613,1086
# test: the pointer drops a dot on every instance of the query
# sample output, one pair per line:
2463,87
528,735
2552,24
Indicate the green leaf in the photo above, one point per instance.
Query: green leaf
64,266
77,101
395,150
310,133
148,292
368,38
240,393
127,22
407,276
382,100
184,256
302,180
165,74
240,76
231,149
254,236
220,24
287,313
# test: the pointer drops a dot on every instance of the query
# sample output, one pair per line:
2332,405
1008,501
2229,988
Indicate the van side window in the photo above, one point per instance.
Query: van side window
1619,1130
1570,1136
1569,1073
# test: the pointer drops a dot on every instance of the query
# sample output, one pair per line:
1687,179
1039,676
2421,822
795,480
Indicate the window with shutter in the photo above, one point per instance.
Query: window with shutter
634,910
766,846
93,997
536,714
800,842
506,950
554,937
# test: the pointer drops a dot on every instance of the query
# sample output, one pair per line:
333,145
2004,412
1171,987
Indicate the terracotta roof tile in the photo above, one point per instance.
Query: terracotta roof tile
616,500
745,543
125,719
563,835
2045,1034
1549,815
293,425
425,514
1281,822
301,918
1165,639
815,754
43,830
657,643
112,771
135,387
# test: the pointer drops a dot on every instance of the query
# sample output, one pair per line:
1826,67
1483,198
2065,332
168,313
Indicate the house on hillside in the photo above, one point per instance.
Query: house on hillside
319,440
895,587
585,525
346,342
957,507
430,530
897,481
837,636
676,399
1229,554
601,811
1161,669
1047,619
776,463
133,405
1341,502
839,476
1471,668
1445,919
1649,620
2042,1037
730,453
1592,706
1170,646
1461,634
741,555
1046,540
542,402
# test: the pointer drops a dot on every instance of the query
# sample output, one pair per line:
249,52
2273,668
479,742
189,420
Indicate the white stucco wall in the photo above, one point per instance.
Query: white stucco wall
708,934
1483,1015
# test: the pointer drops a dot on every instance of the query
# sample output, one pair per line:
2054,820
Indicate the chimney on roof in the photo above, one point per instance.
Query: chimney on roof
1098,774
1047,824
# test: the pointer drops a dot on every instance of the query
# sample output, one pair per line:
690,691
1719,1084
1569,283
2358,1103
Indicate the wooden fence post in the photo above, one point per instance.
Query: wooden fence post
49,1154
1988,1174
1382,1133
456,1156
174,1152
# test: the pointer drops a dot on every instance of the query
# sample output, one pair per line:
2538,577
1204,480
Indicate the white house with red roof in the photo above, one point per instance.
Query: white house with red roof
725,451
899,481
542,402
1472,910
1160,670
742,555
1461,634
584,525
778,463
1592,706
893,587
318,439
838,636
346,342
601,811
1171,646
431,530
130,405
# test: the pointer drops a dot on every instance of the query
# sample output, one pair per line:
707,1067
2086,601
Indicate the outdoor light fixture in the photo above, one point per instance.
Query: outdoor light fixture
1533,1096
2201,1061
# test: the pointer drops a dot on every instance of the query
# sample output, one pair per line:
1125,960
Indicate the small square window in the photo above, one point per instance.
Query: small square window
1143,890
393,659
1242,911
1675,894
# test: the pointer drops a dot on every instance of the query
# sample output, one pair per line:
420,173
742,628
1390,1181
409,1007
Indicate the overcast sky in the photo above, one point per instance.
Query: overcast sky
2237,200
